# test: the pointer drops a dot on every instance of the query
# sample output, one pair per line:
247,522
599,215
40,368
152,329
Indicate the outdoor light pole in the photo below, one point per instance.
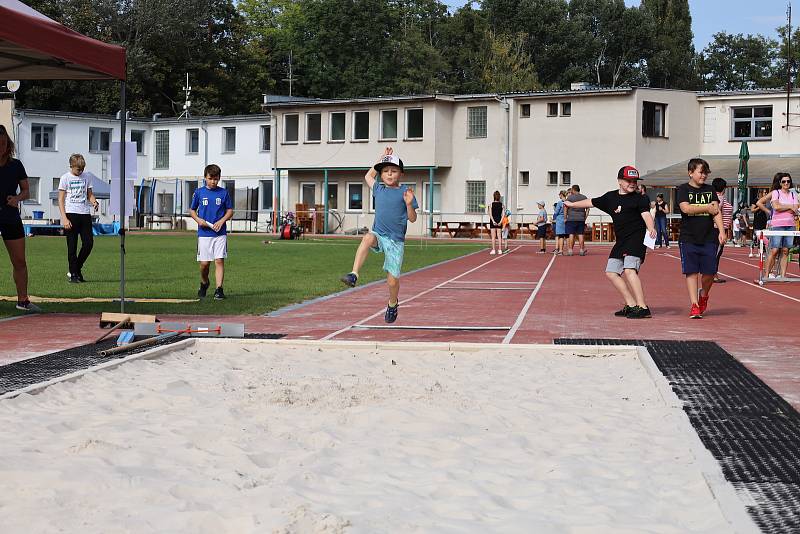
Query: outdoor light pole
122,125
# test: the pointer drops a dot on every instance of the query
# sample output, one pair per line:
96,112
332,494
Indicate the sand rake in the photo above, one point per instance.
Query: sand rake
164,331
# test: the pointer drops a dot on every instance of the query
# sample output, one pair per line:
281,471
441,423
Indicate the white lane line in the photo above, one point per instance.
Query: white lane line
495,282
427,327
755,285
755,266
377,314
527,306
488,288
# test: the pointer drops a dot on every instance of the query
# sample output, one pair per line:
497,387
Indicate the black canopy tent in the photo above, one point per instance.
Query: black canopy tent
34,47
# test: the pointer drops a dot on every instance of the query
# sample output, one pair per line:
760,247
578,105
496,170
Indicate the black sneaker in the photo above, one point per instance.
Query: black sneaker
203,289
637,312
624,311
80,277
219,294
28,307
350,279
391,313
73,279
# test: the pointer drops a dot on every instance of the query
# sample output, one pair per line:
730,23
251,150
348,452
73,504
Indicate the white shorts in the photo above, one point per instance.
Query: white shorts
212,248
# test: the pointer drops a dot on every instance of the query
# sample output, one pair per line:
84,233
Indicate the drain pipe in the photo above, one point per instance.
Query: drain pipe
507,107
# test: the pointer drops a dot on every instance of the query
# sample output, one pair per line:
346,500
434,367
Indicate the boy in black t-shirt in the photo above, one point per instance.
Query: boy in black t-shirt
699,239
630,213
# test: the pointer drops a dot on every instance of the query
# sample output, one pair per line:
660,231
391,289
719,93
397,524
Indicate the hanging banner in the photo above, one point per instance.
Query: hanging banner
130,175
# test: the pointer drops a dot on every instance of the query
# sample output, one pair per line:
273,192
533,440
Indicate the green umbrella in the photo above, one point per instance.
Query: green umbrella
744,156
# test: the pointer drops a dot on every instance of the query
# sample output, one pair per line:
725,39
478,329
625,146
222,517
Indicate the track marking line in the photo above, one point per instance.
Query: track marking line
495,282
755,285
756,266
527,306
377,314
428,327
488,288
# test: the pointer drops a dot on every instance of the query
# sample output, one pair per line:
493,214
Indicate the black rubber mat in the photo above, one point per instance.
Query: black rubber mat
752,431
32,371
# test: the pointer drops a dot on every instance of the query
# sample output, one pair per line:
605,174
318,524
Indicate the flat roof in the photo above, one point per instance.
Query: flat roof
760,169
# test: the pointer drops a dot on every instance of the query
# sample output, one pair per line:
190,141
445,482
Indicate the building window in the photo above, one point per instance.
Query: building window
388,124
56,181
437,197
166,204
290,127
355,197
192,141
43,136
654,119
33,188
525,111
191,187
552,177
229,139
333,196
360,125
313,127
414,123
337,125
99,139
476,195
137,136
266,194
266,138
230,187
566,178
566,109
476,122
524,177
552,109
161,142
752,123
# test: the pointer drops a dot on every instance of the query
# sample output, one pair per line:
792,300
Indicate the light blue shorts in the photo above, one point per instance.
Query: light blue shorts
392,252
781,241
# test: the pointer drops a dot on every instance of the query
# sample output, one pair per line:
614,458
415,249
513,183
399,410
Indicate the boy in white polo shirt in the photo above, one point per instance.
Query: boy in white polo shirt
76,200
211,208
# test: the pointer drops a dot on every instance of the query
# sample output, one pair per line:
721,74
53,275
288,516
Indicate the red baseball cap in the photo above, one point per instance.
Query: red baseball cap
628,173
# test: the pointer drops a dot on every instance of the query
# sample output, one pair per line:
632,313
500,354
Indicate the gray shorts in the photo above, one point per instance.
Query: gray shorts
616,265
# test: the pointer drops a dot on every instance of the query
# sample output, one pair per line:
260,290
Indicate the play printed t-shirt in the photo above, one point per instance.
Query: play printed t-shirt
11,174
211,205
576,214
699,228
629,227
391,216
77,188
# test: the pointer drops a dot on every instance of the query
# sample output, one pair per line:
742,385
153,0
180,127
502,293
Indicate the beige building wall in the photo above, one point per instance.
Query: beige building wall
715,129
6,113
683,120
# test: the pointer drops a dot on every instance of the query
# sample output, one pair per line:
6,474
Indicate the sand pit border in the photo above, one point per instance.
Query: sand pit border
731,506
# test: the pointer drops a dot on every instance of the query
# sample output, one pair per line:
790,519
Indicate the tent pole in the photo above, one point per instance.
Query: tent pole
123,112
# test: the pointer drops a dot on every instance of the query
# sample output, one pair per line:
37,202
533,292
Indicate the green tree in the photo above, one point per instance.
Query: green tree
732,62
670,63
506,66
463,45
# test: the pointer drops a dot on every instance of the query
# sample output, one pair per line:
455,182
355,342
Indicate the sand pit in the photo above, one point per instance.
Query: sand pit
240,437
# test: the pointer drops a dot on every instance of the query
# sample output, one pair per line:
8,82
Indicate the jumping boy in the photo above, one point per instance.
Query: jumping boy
75,201
699,238
630,214
395,205
211,208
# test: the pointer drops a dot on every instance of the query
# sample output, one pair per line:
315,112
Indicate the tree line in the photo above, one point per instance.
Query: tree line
235,50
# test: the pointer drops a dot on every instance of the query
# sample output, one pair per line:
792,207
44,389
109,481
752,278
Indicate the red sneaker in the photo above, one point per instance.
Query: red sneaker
703,303
695,312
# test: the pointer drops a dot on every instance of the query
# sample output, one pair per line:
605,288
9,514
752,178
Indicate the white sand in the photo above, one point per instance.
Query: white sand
236,437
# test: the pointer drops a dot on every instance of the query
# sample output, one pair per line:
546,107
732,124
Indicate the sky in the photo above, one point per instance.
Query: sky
732,16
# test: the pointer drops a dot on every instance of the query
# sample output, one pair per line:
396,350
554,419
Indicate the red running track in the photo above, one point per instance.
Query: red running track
520,297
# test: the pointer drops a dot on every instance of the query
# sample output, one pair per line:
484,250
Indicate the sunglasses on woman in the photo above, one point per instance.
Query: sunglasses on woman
786,181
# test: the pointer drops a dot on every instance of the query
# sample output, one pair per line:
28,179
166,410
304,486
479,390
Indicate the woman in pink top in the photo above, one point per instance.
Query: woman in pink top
784,210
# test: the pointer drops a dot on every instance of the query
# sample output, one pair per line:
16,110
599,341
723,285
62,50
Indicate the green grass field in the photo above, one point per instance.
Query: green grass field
258,278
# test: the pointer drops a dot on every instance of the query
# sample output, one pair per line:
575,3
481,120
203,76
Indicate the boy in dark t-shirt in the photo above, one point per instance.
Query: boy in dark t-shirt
630,213
699,238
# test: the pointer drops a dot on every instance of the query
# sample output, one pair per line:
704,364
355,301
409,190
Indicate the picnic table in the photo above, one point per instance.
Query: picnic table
457,228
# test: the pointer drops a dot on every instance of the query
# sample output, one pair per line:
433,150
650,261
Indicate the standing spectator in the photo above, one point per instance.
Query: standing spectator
541,227
558,220
784,207
576,221
495,223
699,238
760,220
13,179
75,201
662,223
726,208
743,218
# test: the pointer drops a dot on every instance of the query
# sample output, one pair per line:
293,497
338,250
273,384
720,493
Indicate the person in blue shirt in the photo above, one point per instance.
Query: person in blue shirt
211,208
395,205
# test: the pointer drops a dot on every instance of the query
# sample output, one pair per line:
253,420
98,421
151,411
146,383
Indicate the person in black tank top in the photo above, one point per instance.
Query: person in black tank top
495,223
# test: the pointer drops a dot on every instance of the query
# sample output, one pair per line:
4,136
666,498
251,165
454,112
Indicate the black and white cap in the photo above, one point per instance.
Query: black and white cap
389,159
